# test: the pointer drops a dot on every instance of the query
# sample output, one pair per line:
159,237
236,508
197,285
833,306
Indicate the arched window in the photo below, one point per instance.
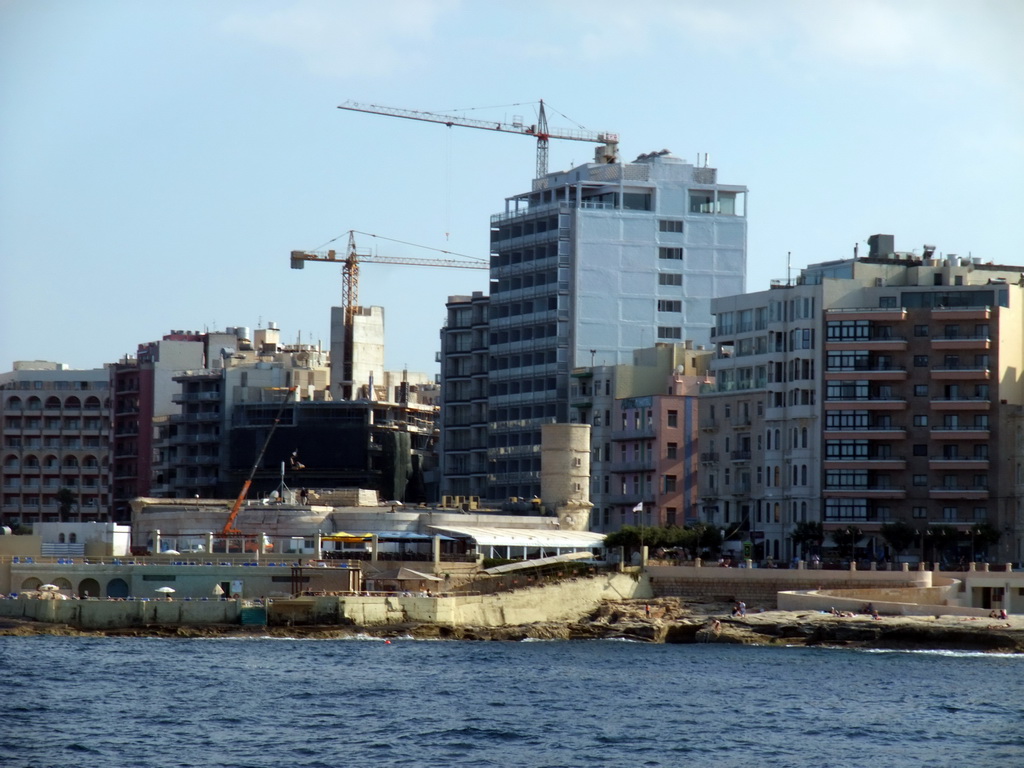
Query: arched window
60,538
73,538
803,474
803,437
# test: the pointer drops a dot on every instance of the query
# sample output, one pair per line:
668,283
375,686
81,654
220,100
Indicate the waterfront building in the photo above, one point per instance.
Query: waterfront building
142,389
868,391
643,418
54,463
462,445
590,263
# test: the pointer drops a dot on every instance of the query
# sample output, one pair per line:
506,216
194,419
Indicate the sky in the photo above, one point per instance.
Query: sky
159,161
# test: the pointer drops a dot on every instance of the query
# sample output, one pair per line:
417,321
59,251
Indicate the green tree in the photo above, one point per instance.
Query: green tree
807,534
899,535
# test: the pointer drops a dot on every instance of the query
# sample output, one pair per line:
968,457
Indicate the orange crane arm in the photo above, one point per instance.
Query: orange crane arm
229,526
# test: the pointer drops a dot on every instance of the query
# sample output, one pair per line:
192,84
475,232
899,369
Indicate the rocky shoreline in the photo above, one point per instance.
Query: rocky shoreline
660,620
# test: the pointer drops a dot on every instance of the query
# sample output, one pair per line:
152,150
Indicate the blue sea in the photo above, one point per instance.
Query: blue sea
262,703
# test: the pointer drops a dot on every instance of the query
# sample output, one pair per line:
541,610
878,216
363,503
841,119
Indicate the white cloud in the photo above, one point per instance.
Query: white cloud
344,39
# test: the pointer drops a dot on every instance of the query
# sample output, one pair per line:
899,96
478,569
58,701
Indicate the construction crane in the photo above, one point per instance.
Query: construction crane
352,258
229,526
540,130
350,262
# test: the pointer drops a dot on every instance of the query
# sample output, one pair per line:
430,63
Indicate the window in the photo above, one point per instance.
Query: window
920,480
670,225
920,390
920,361
673,418
921,420
675,254
920,512
670,305
887,302
920,330
670,278
672,451
665,332
670,483
702,201
950,514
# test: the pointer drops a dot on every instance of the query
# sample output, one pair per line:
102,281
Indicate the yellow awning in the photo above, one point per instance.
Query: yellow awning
348,538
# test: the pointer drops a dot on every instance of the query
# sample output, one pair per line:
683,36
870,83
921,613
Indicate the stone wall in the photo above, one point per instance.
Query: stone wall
113,614
560,601
759,587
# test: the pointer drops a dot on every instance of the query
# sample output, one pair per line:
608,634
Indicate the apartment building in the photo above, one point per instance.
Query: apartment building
867,391
55,458
643,417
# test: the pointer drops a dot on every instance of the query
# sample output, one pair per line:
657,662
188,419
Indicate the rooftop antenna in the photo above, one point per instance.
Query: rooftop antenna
789,267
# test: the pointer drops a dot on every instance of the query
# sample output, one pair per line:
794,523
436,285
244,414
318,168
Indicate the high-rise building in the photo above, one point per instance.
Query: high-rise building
54,462
593,263
871,391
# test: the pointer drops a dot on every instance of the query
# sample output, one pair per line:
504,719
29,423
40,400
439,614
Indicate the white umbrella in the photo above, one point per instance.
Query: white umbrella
218,590
165,590
49,588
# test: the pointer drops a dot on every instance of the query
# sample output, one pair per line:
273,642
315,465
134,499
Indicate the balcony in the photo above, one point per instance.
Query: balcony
196,397
867,373
960,433
960,404
709,457
865,404
872,344
865,433
739,455
954,493
865,492
637,465
867,462
958,462
960,313
961,342
640,433
884,314
965,373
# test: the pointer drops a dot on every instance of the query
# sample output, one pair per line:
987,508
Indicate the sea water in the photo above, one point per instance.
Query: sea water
255,702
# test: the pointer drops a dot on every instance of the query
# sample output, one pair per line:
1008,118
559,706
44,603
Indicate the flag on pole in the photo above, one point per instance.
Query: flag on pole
639,507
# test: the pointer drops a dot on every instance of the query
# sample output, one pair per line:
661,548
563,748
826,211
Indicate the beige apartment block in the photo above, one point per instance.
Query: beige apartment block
867,391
